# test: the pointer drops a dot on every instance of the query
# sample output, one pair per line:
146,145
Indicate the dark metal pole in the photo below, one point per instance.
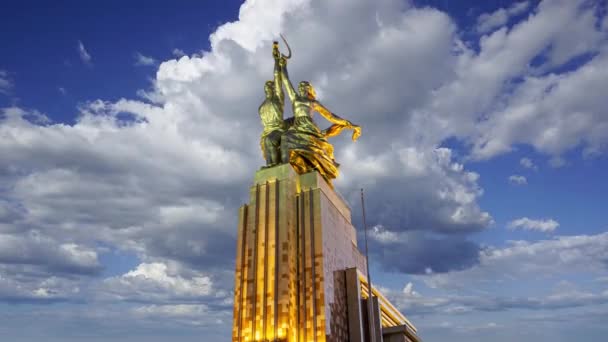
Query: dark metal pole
370,308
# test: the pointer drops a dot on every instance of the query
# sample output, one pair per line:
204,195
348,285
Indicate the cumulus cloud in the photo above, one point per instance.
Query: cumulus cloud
417,252
518,180
36,249
141,60
449,191
198,315
545,226
35,267
6,85
139,322
176,193
163,179
542,264
85,57
158,282
509,91
528,163
427,224
30,284
74,192
530,260
416,304
178,52
489,21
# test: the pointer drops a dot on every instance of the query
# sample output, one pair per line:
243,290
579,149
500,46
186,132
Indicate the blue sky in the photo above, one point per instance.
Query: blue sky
47,36
129,137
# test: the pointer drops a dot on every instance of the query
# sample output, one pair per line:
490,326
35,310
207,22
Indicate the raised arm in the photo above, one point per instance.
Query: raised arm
291,92
278,86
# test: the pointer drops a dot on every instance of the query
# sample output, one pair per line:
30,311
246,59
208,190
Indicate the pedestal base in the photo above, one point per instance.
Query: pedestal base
295,240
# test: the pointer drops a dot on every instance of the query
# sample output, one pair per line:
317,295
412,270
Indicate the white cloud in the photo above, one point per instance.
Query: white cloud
560,300
6,85
408,290
528,163
189,314
85,57
518,180
62,90
489,21
382,235
449,192
178,52
169,188
257,24
25,285
479,297
36,249
546,225
197,116
475,328
163,181
510,93
157,282
572,255
179,310
141,60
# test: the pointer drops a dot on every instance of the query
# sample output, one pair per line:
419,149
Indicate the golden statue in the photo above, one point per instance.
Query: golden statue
271,114
303,144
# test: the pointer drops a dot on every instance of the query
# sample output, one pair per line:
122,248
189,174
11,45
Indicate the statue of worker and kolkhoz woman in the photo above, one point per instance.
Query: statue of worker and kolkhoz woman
298,140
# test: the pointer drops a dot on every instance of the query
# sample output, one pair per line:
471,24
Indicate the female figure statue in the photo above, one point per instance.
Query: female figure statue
304,145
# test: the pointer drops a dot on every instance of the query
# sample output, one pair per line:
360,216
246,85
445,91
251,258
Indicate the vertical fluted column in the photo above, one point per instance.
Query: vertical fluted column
239,276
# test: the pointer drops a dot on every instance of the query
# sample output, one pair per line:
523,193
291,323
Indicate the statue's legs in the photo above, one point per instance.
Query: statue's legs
272,144
284,149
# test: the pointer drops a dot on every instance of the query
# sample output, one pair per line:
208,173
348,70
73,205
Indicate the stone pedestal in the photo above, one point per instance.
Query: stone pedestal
295,241
294,233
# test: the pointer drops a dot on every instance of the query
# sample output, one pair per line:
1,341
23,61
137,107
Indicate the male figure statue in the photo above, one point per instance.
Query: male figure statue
271,114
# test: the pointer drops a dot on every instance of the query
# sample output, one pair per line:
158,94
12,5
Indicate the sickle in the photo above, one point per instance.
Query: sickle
288,48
